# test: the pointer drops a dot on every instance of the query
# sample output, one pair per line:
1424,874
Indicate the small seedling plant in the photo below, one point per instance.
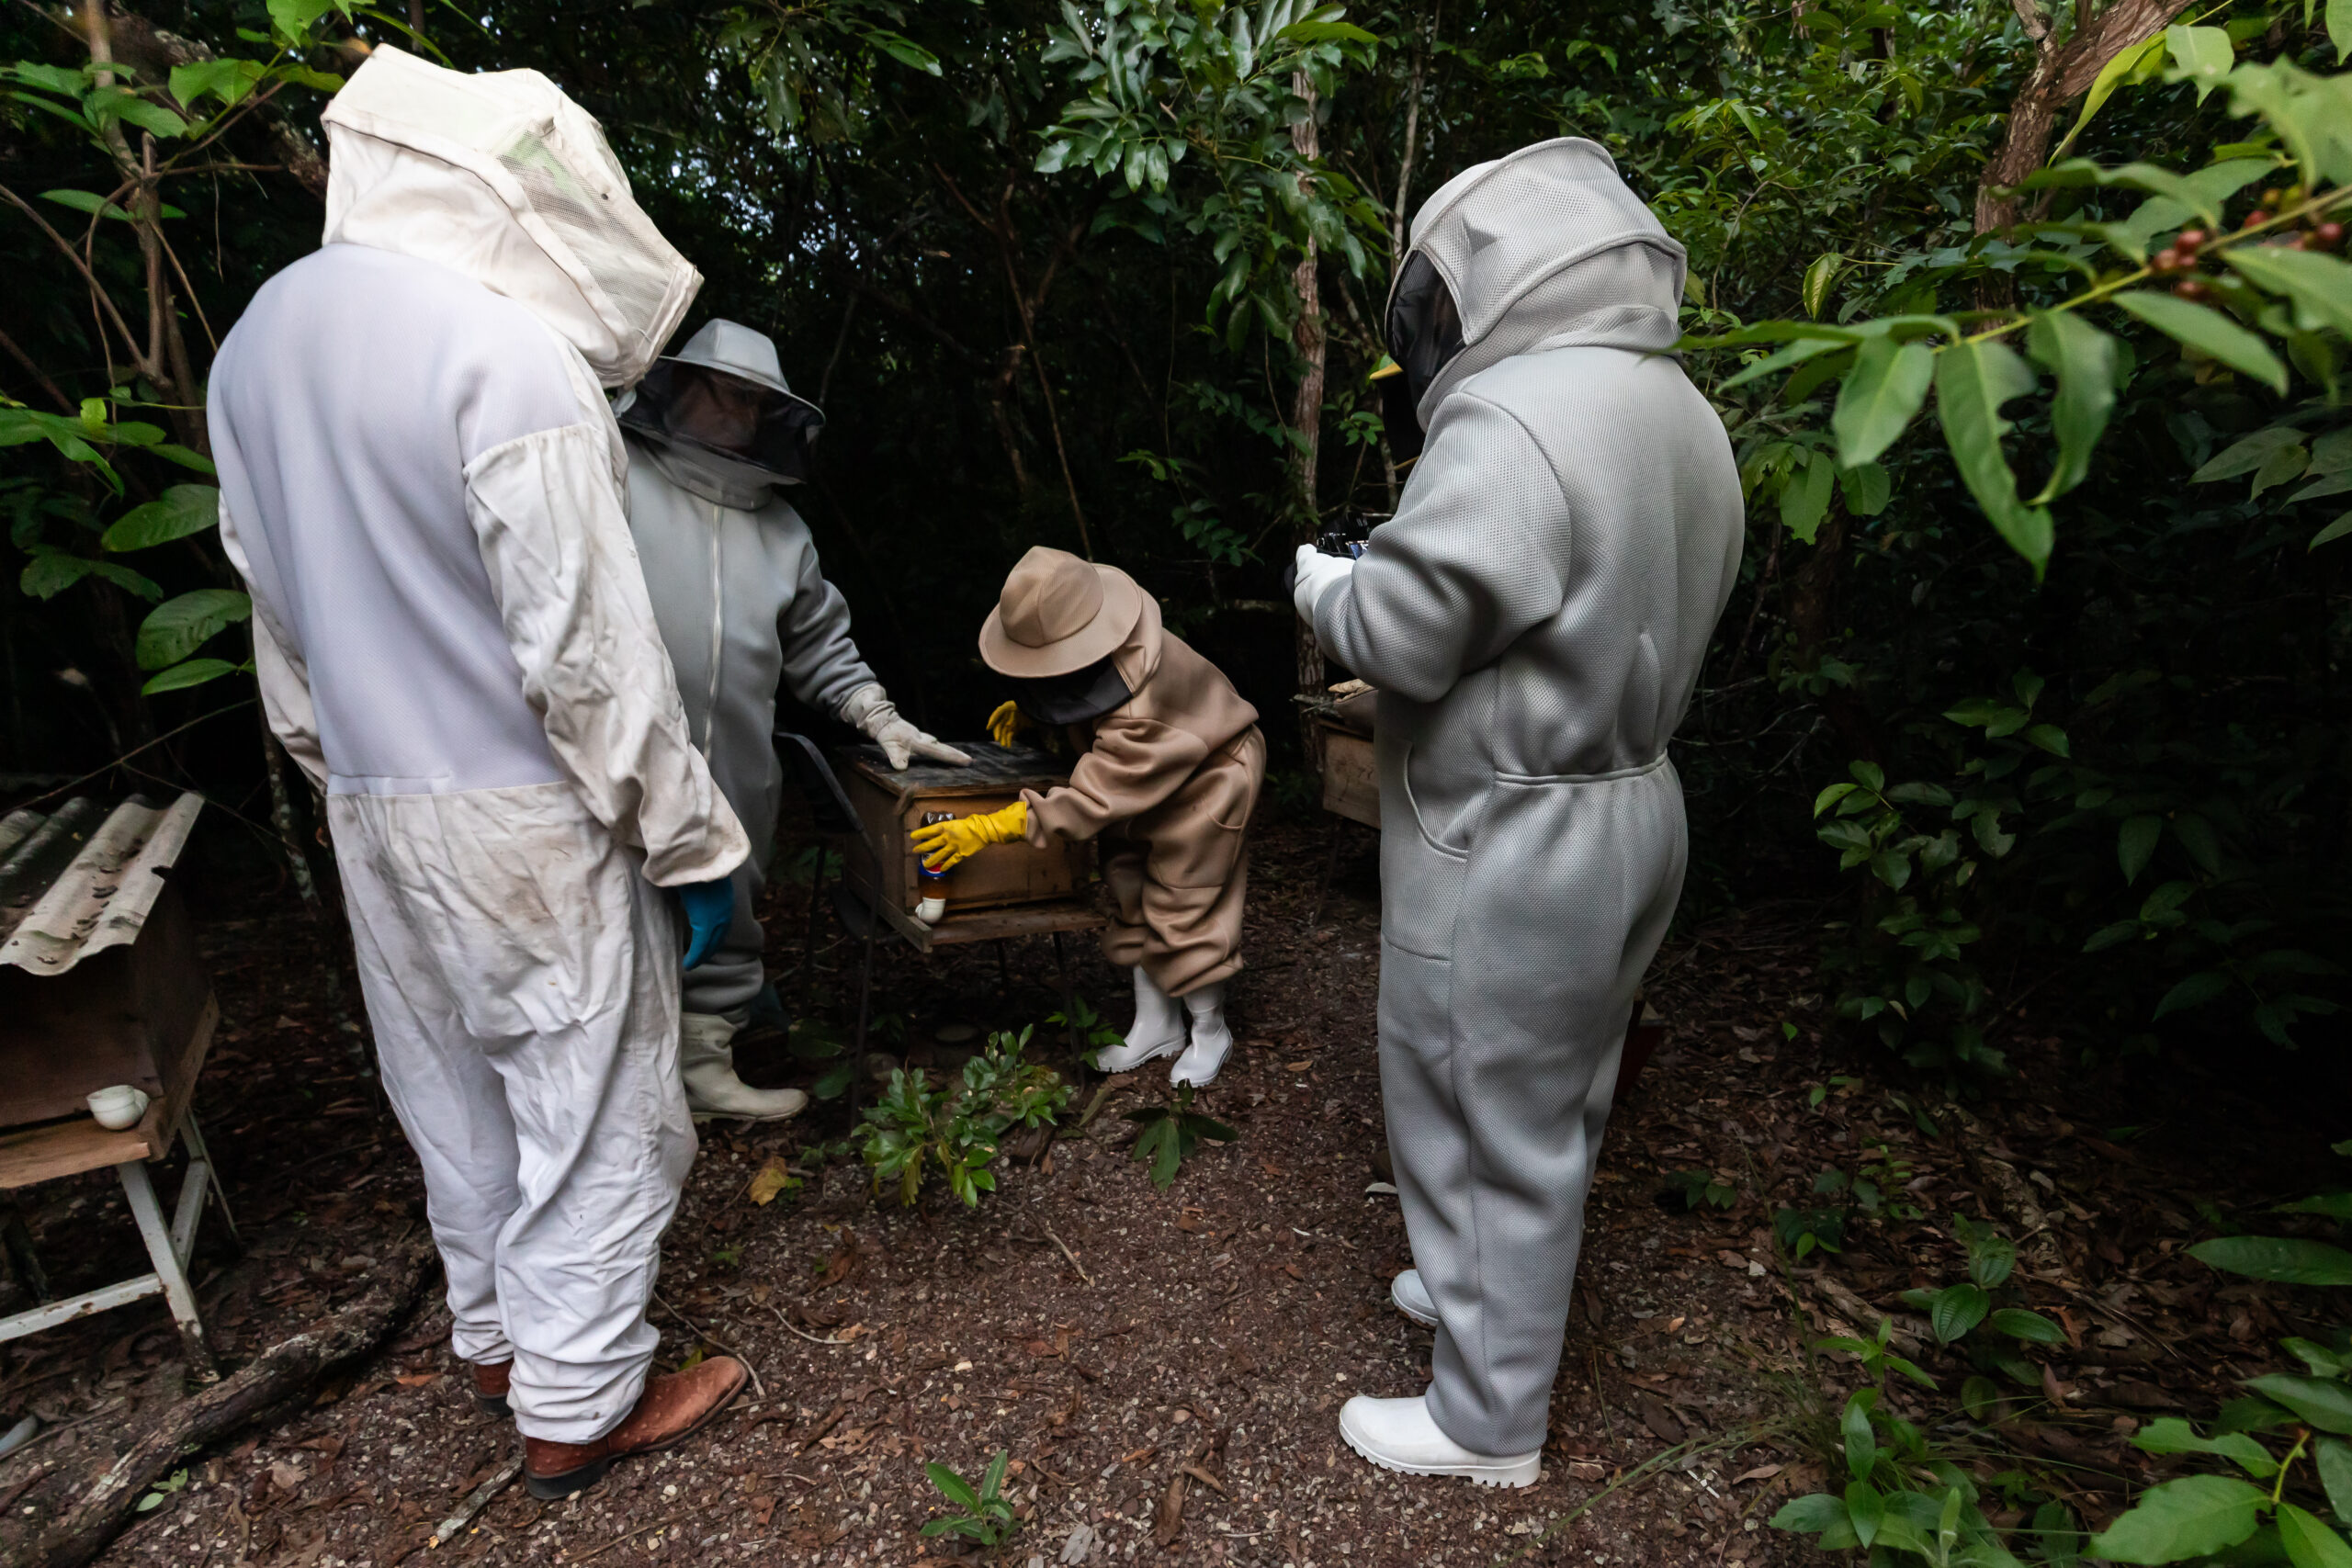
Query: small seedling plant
986,1518
1171,1134
1956,1312
916,1130
1090,1028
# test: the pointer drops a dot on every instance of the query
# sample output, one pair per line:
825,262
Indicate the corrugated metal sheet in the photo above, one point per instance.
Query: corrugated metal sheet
82,879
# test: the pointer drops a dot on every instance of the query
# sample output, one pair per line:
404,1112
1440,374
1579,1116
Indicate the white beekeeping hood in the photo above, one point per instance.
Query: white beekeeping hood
503,177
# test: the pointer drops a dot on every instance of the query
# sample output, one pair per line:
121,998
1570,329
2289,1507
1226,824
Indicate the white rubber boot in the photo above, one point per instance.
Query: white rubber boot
1410,1296
1211,1039
1401,1435
1158,1031
706,1054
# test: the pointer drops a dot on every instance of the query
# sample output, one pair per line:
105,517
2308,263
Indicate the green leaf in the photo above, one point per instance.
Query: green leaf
2195,991
2289,1261
2310,1544
905,50
2336,529
1804,496
194,672
2132,66
84,201
1955,1310
1810,1515
2318,284
1867,489
2339,27
1830,796
2050,738
1865,1509
1973,380
183,510
2209,332
52,570
2083,358
2246,457
2323,1401
2173,1435
2332,1458
1861,1443
2030,1326
179,627
293,17
2192,1517
1819,279
2202,55
954,1487
1882,395
2135,844
993,1483
228,80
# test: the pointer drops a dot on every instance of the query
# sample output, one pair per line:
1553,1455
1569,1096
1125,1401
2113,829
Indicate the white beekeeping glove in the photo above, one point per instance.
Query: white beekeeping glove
869,708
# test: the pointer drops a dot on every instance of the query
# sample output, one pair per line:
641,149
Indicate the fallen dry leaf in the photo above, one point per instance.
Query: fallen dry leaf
769,1179
1761,1472
1169,1523
418,1380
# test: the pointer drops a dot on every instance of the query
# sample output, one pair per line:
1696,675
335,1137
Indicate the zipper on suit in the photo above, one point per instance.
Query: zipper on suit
718,626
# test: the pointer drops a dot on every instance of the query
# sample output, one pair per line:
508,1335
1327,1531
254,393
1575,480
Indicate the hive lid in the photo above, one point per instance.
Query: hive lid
82,879
995,769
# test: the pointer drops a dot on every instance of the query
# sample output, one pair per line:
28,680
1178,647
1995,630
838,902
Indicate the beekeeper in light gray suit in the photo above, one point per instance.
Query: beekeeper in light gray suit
1535,616
713,433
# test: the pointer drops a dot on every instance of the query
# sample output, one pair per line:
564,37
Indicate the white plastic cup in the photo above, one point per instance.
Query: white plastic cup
118,1106
930,911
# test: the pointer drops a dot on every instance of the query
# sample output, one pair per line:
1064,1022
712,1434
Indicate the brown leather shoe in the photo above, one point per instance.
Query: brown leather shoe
491,1381
672,1409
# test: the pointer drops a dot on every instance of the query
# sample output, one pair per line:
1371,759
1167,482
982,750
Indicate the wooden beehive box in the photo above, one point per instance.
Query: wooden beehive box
100,981
891,805
1351,777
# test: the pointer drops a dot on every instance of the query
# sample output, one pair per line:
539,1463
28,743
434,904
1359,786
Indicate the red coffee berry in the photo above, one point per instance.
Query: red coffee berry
2327,236
2189,288
2187,242
2256,219
2166,261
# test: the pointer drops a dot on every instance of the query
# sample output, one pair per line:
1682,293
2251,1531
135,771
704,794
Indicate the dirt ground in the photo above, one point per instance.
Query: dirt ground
1166,1369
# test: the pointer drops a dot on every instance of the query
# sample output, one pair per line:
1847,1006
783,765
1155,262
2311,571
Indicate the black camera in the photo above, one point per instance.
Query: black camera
1351,534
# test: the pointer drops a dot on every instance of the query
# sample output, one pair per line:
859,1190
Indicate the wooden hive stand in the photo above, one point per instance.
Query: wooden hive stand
101,984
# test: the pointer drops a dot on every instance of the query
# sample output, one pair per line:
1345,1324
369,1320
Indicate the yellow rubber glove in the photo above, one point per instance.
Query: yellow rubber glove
1007,722
945,844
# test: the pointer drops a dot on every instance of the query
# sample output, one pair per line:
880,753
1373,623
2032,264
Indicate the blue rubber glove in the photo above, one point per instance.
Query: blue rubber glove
710,909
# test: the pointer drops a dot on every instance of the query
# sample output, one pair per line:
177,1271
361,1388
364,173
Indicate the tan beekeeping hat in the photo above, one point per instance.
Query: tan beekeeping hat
1058,613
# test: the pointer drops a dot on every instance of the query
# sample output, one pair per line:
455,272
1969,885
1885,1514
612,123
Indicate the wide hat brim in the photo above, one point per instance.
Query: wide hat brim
1099,638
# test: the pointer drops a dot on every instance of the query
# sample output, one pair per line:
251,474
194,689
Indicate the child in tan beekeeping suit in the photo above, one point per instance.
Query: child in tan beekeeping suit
1171,767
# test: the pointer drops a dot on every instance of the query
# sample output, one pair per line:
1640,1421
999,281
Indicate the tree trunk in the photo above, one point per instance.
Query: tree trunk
1307,422
2061,73
1812,610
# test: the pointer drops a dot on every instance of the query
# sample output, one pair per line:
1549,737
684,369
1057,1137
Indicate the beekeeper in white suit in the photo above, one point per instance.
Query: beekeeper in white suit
421,482
714,432
1535,616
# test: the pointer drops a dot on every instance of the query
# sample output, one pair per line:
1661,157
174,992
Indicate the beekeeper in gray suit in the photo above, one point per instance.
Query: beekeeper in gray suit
714,432
1535,616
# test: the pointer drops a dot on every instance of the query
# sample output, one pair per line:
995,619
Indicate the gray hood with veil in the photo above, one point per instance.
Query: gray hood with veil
1547,248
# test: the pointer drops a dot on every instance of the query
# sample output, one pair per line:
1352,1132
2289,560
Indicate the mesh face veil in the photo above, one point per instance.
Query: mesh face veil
502,176
1424,333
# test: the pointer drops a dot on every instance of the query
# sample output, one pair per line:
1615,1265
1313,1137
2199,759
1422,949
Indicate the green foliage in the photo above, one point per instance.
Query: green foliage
1697,1187
915,1130
983,1516
1093,1031
1164,82
1168,1134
